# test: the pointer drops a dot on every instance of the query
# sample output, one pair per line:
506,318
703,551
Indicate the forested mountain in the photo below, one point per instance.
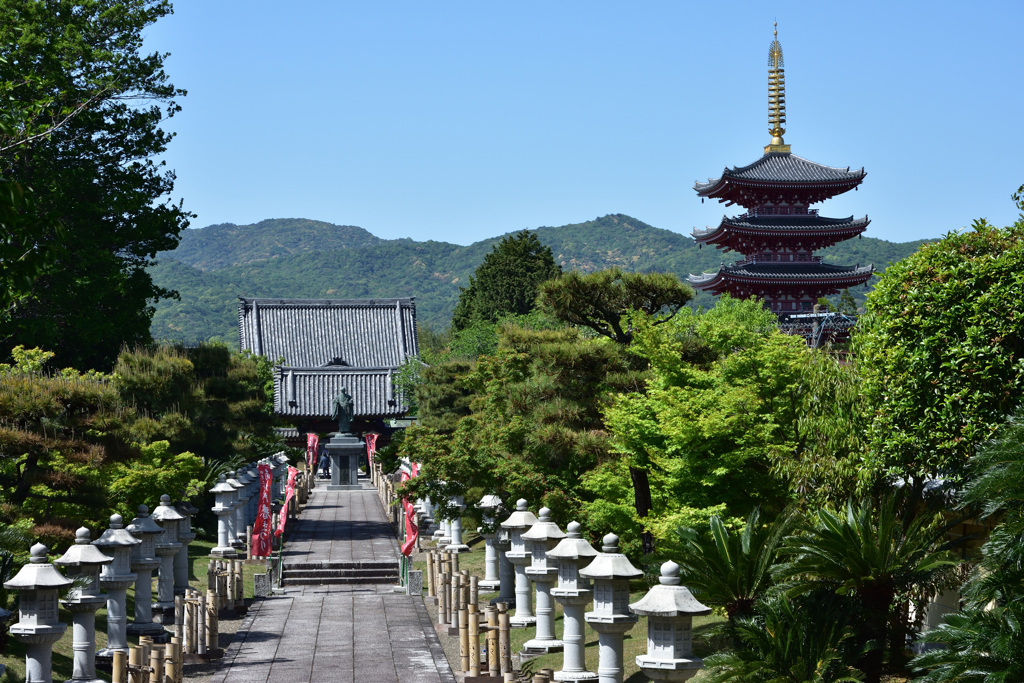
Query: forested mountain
310,259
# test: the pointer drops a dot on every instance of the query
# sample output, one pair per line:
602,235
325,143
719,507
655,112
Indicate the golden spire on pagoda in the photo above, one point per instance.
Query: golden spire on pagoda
776,96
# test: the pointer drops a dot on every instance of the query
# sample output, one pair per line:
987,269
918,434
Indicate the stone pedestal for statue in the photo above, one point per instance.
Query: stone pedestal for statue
344,451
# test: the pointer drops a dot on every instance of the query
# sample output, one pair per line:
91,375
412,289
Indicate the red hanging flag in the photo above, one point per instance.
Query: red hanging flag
261,541
371,447
289,491
412,531
312,444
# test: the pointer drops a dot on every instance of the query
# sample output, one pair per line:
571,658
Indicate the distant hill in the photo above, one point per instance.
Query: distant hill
311,259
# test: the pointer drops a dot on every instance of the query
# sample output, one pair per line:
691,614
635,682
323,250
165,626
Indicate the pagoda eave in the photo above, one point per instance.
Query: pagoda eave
745,237
727,279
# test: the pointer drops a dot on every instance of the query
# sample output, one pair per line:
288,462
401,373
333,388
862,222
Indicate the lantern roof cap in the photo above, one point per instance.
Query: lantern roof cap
489,502
144,524
165,512
572,547
668,598
116,536
232,481
83,552
544,529
222,486
186,508
38,573
522,518
610,563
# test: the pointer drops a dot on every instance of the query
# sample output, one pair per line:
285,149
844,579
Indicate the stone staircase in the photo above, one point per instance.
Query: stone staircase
340,573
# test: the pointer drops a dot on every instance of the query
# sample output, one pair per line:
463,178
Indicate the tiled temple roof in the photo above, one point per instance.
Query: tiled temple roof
768,225
783,272
310,392
356,333
776,176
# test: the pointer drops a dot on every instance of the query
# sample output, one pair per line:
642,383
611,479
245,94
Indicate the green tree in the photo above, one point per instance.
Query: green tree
717,408
603,300
983,642
507,282
83,131
941,348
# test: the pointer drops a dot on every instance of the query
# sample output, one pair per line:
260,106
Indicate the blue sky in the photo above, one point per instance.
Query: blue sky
458,121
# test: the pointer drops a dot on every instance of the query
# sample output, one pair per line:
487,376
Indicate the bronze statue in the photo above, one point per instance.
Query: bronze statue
343,410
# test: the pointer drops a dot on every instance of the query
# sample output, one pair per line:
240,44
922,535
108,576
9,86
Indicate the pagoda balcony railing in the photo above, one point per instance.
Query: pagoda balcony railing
780,211
776,258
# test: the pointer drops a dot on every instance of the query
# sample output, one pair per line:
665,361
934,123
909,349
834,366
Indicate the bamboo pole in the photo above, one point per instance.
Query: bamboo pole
430,575
504,650
119,672
493,656
464,638
474,640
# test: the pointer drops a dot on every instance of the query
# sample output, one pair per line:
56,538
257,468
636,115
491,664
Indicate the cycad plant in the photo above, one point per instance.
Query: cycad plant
872,553
734,571
809,640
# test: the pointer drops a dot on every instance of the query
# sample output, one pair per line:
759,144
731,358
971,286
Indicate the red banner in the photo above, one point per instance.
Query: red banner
262,545
289,491
371,447
312,445
412,531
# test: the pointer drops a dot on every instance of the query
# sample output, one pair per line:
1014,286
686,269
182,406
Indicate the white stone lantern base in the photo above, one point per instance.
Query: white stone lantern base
669,669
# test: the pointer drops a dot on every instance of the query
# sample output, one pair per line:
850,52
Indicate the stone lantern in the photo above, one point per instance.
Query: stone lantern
518,522
115,578
457,546
542,537
144,561
84,560
186,536
506,570
254,491
574,594
167,546
234,517
488,505
242,517
38,626
224,494
670,609
610,571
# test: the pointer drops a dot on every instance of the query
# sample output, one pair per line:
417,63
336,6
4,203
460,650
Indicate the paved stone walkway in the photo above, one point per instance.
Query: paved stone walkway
337,634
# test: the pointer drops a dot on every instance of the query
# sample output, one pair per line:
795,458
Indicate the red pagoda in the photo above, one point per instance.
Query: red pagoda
779,233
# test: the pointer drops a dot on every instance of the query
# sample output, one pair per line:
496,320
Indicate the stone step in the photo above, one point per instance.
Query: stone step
330,573
338,580
364,564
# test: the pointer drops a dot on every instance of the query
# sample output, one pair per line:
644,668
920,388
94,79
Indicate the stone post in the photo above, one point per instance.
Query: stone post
518,522
541,538
167,546
574,594
144,561
670,609
610,571
185,536
489,505
39,626
279,462
223,494
457,546
242,518
115,579
84,560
